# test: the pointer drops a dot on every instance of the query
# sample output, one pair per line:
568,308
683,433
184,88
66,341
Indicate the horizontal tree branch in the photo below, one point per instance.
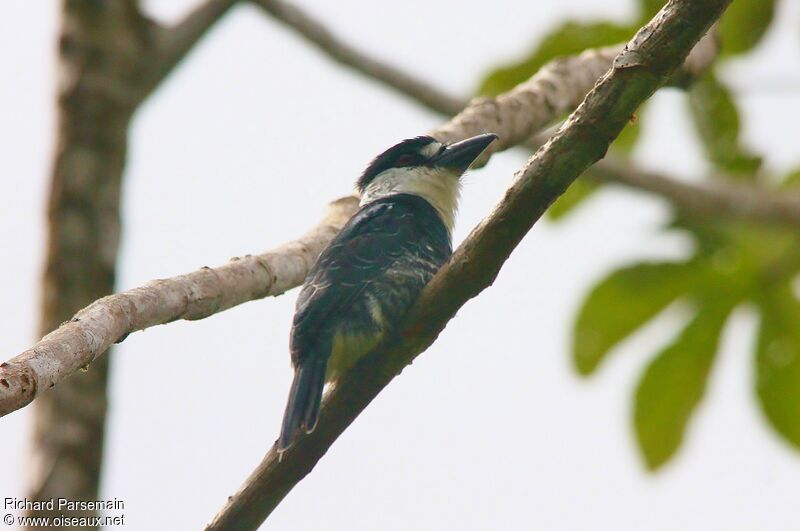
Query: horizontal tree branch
196,295
644,64
710,199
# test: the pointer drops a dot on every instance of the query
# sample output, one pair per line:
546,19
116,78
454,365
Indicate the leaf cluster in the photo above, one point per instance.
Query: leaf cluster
733,263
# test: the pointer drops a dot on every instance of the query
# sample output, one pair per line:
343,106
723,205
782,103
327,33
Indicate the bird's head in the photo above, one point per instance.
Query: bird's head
424,167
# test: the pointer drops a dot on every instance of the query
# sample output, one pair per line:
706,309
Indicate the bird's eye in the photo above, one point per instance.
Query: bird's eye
407,159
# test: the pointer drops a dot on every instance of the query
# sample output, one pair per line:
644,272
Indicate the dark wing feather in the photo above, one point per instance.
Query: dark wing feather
343,270
402,232
372,241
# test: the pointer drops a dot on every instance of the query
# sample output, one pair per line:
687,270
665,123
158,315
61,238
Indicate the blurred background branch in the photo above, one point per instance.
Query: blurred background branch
106,53
718,198
171,44
340,51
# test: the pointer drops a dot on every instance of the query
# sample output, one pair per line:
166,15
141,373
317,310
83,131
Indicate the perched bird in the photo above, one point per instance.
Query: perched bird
371,273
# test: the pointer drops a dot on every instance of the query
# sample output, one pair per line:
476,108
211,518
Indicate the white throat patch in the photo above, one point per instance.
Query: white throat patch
438,186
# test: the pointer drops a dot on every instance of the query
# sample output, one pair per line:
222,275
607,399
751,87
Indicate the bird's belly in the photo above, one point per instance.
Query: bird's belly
361,328
347,348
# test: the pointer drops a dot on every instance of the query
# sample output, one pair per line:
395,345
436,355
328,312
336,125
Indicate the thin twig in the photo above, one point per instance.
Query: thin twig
331,45
648,59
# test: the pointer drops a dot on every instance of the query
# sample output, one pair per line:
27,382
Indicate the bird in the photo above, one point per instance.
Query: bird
370,274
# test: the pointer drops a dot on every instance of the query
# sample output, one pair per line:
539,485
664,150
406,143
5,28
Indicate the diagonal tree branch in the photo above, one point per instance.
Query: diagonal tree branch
345,54
172,44
655,51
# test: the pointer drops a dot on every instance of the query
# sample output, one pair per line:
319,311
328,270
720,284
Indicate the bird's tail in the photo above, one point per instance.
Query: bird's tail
305,396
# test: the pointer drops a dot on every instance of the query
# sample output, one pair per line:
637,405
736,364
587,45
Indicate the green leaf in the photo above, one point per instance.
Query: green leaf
568,39
778,361
577,192
674,383
621,303
736,253
716,119
792,179
744,24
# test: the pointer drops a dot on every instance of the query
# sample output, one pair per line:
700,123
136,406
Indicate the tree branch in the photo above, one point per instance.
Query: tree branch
171,44
557,88
655,51
192,296
714,199
341,52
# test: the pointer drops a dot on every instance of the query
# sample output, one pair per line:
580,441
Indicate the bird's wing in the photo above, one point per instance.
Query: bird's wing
371,242
368,244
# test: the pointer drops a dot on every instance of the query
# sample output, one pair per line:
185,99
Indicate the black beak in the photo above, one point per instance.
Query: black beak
460,155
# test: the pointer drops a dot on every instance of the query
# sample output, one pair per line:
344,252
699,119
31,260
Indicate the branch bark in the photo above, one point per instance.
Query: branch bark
104,50
706,200
196,295
172,44
644,64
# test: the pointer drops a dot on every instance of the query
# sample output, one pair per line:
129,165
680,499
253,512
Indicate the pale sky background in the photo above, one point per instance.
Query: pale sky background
240,150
